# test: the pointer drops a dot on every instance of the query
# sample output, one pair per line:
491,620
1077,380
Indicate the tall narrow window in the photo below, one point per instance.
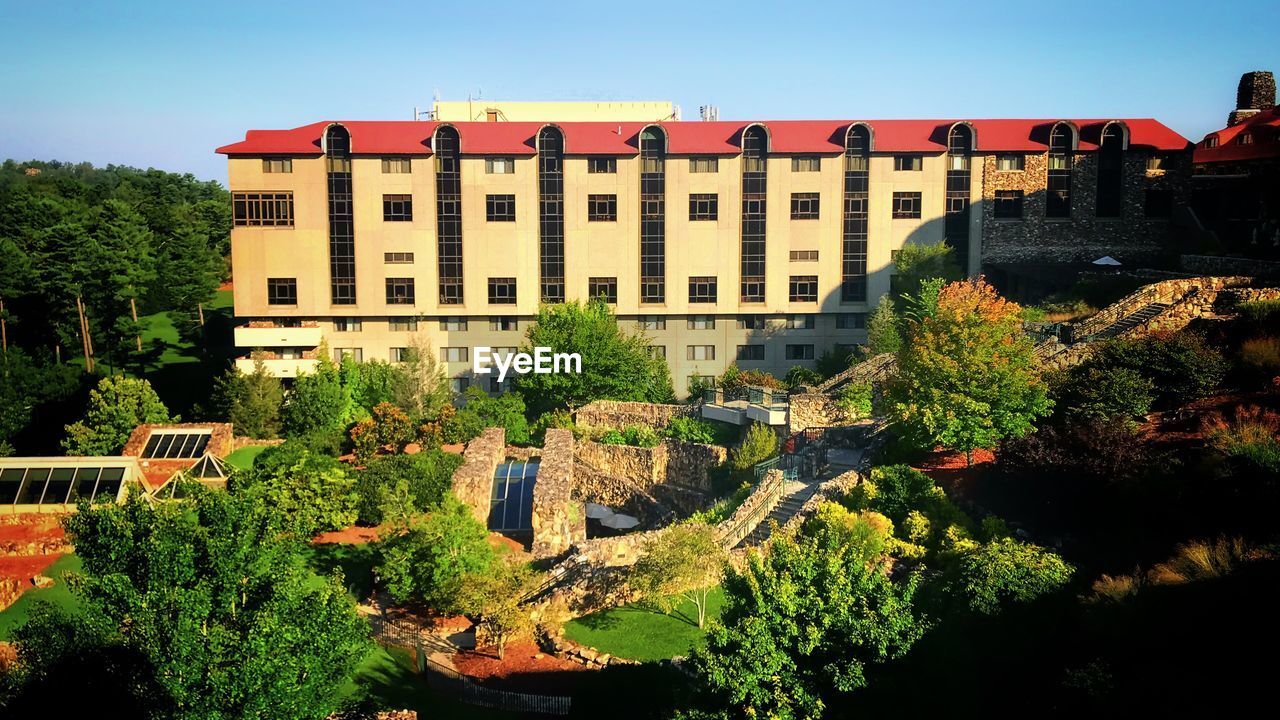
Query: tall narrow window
853,261
342,232
956,223
449,215
551,214
1058,184
1111,171
755,146
653,212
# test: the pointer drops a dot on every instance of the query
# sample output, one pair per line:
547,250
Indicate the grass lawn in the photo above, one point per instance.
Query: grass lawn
58,594
355,560
243,458
641,633
387,680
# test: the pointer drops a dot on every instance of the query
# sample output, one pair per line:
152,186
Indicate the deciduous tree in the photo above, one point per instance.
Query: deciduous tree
682,564
116,407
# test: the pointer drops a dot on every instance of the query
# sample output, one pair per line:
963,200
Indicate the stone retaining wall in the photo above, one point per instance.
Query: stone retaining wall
618,415
221,441
558,520
473,480
1219,265
1167,291
671,461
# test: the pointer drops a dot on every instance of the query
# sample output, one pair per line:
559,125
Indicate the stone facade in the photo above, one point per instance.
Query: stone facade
559,521
221,440
473,480
1083,237
618,415
681,463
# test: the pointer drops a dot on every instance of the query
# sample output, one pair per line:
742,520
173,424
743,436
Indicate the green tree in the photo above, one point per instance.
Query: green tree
251,401
966,377
506,410
309,491
615,365
494,598
1091,392
319,403
883,335
916,263
801,626
1182,366
116,407
760,444
682,564
431,560
421,388
220,611
1006,571
427,475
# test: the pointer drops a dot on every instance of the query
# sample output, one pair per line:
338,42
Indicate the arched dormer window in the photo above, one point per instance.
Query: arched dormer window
1063,141
653,214
853,253
1064,138
1115,139
342,239
1115,134
961,142
755,183
550,145
857,147
755,148
448,151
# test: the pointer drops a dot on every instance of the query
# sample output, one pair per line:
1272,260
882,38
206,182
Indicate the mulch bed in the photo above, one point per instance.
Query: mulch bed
524,669
951,471
353,535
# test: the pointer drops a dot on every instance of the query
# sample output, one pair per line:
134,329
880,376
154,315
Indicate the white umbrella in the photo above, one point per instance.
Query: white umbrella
598,511
1107,260
620,522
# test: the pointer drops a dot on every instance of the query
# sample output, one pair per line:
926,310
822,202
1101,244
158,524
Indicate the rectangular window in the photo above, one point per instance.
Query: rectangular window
1159,162
1158,203
750,352
700,352
453,324
658,351
1011,163
851,321
704,164
804,256
277,165
500,208
499,165
399,354
398,258
799,352
397,208
702,322
911,163
602,165
750,322
603,287
602,208
1008,205
347,325
702,289
804,288
799,322
704,206
395,165
356,354
503,323
402,324
906,205
262,209
502,291
806,163
459,385
804,206
400,291
651,322
282,291
455,354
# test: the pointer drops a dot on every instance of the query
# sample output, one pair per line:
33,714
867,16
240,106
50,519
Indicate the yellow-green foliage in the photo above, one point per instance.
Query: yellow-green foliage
1262,352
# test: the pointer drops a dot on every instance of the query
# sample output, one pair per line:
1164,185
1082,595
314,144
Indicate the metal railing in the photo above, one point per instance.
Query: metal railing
763,397
766,496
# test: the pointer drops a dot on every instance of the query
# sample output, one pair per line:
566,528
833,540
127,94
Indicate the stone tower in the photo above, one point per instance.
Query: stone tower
1256,92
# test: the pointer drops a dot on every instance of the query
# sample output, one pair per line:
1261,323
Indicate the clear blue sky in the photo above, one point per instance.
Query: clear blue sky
163,83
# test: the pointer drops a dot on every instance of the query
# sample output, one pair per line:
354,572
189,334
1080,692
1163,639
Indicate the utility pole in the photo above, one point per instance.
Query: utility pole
133,307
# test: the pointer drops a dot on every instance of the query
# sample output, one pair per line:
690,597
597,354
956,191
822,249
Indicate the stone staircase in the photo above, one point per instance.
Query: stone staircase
796,495
1130,321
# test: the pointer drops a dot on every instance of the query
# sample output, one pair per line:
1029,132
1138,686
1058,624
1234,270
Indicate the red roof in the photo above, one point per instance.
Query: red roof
1263,129
694,137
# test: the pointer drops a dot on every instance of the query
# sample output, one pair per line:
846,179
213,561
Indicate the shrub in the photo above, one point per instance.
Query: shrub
723,508
854,399
1251,435
801,375
1259,310
1262,353
310,492
482,411
1202,560
433,559
427,476
1182,366
1095,393
1006,571
1082,456
633,435
612,437
557,419
760,444
690,429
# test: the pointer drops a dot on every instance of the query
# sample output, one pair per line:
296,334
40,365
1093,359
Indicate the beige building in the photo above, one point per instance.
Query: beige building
761,243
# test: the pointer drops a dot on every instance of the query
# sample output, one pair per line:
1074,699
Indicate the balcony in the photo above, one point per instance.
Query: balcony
741,407
281,367
268,335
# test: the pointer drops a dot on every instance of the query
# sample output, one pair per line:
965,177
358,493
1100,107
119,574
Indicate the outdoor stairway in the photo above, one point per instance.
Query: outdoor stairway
1132,320
796,494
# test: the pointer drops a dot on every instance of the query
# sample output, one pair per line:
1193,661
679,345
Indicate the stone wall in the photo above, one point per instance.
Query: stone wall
558,520
1167,291
1222,265
618,415
646,467
1229,299
473,480
1082,237
221,441
689,464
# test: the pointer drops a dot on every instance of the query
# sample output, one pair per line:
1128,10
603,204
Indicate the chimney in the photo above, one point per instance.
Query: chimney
1256,92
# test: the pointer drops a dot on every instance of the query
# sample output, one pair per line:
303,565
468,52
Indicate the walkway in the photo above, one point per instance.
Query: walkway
798,492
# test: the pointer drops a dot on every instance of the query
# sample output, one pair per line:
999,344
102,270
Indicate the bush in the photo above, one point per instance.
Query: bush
310,492
1007,571
633,435
1262,353
557,419
1083,456
854,399
760,444
690,429
734,379
1250,436
427,475
612,437
482,411
1260,310
801,375
1182,366
1095,393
